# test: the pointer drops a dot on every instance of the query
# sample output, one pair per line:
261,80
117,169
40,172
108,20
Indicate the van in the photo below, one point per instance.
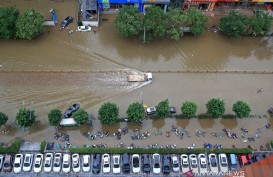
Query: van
7,163
233,162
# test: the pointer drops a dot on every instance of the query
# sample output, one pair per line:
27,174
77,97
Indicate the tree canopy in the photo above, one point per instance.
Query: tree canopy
30,25
261,23
128,22
81,117
54,117
25,118
3,118
174,23
162,109
108,113
241,109
189,109
215,108
8,17
135,112
195,20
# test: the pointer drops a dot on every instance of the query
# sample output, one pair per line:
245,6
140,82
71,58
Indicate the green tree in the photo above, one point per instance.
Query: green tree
261,23
195,20
174,23
215,108
128,22
189,109
234,25
54,117
154,23
135,112
81,117
8,17
162,109
108,113
241,109
30,25
3,118
25,118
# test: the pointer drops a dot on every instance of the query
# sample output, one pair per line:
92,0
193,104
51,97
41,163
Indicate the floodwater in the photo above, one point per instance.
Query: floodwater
58,69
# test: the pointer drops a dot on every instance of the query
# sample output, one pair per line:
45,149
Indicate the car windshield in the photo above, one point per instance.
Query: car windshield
116,166
47,165
203,165
57,164
66,165
185,165
76,165
106,165
175,165
37,165
17,165
6,165
156,165
26,164
86,164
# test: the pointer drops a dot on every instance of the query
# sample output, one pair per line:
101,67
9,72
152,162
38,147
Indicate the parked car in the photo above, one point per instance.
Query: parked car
151,110
166,161
66,21
84,28
116,164
146,163
156,163
126,163
57,162
7,163
2,158
86,163
257,157
223,162
96,163
27,165
172,110
203,168
185,163
106,163
48,162
38,163
68,113
135,163
66,163
76,163
18,163
213,163
193,163
234,165
175,164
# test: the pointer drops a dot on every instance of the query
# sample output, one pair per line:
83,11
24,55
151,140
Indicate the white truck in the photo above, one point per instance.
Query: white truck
140,77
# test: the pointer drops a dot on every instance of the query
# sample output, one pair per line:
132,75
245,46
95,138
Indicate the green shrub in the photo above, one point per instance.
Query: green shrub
229,116
203,116
14,148
160,151
42,146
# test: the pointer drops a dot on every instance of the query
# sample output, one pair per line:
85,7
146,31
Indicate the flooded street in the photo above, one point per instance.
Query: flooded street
58,69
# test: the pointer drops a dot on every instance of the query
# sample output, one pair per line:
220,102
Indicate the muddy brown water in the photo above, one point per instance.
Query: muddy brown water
106,50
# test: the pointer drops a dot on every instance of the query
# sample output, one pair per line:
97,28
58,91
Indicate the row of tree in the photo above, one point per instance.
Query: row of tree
237,25
157,24
109,113
27,26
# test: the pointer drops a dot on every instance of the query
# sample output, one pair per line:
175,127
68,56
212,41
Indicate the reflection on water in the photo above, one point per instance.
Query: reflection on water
206,123
229,123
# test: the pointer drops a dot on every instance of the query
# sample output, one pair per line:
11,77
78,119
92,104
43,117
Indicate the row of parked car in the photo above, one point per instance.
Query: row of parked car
118,163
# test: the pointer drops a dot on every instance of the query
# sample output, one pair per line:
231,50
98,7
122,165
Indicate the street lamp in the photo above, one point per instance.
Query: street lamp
144,37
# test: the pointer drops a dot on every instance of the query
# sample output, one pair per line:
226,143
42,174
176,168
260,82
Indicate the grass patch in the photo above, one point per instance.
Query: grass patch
42,146
14,148
160,151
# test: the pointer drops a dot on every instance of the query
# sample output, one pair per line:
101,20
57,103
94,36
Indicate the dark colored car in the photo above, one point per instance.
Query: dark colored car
73,108
96,164
146,163
166,160
66,21
126,163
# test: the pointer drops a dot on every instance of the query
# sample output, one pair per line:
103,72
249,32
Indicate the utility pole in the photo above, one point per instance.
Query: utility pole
30,110
141,98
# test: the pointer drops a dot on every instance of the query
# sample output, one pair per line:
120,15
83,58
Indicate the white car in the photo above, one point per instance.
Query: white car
223,162
136,163
48,162
156,164
202,163
66,163
1,161
151,110
193,163
106,163
184,163
28,162
86,163
116,164
213,163
84,28
18,163
38,163
76,163
57,163
175,164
